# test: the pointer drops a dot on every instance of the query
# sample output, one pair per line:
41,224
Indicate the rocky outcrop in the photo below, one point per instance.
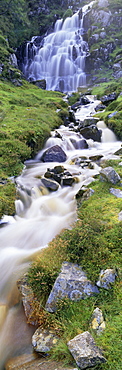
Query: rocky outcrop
85,351
43,340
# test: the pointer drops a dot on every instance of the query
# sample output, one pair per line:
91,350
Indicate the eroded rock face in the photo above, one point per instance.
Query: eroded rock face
106,278
91,132
85,351
71,283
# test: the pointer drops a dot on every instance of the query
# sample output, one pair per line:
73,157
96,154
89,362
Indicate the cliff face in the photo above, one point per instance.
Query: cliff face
103,25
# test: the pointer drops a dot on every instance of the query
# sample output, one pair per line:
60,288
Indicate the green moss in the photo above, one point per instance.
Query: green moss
27,115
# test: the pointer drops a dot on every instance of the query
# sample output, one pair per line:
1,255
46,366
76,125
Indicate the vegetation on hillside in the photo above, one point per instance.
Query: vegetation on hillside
27,116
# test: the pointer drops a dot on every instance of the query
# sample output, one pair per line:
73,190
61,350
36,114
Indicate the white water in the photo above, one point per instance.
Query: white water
61,60
40,216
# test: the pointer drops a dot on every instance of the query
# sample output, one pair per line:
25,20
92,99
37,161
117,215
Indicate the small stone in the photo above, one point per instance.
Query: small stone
106,278
43,340
97,323
85,351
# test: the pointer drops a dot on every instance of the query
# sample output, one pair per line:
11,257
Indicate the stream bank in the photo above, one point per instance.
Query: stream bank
91,236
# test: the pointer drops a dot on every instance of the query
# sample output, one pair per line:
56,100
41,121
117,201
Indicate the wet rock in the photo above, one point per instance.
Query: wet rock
50,184
107,99
71,283
89,121
85,193
109,174
96,158
91,132
119,151
100,107
40,83
76,106
60,175
97,323
26,361
27,299
72,116
85,351
43,340
84,100
116,192
79,144
35,362
106,278
54,154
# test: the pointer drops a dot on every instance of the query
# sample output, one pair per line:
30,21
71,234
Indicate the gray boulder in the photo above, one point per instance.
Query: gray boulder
71,283
85,351
54,154
109,174
106,278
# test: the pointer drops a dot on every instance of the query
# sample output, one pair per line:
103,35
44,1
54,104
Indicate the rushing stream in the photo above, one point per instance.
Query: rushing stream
40,216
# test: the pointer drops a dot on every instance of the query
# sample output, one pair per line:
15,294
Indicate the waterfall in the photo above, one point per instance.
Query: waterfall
61,59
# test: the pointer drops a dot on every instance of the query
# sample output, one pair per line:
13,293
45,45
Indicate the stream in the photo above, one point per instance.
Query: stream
40,216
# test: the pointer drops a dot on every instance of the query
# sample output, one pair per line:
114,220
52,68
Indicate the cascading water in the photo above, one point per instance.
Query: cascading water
61,59
38,210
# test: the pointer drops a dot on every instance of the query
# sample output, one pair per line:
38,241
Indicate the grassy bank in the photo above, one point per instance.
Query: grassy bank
27,115
94,243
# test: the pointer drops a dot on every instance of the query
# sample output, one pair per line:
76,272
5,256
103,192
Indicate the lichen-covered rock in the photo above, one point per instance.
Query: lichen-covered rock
97,321
109,174
43,340
85,351
71,283
106,278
